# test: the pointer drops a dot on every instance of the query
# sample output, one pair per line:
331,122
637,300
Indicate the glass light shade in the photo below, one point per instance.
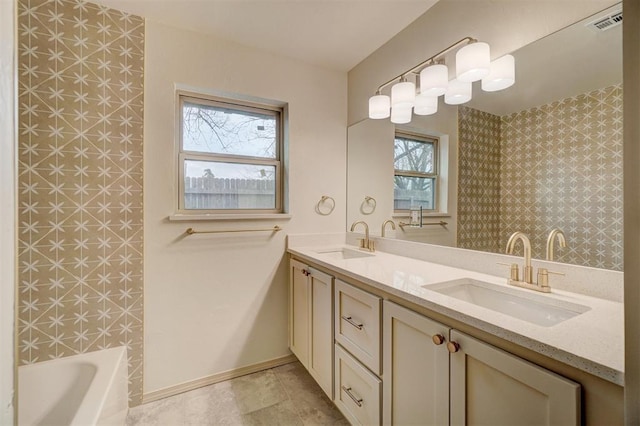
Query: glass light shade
400,115
458,92
403,95
426,105
434,80
379,106
473,62
502,75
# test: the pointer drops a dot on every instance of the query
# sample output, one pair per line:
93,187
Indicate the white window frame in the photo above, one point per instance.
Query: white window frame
435,141
239,105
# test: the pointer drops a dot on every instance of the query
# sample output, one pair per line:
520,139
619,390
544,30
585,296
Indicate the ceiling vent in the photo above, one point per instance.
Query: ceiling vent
606,22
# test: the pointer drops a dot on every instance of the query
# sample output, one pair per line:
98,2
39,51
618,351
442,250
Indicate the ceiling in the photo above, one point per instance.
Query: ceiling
335,34
569,62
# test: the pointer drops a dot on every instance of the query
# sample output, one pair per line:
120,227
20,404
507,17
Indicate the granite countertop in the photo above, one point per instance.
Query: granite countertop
577,341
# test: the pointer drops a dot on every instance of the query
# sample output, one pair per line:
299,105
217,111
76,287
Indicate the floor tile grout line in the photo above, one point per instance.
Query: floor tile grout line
295,407
143,418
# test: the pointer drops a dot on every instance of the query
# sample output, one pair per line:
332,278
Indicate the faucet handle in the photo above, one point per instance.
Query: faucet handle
514,272
543,277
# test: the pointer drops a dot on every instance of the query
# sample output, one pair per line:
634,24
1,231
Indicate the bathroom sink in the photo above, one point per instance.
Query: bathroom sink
345,253
535,308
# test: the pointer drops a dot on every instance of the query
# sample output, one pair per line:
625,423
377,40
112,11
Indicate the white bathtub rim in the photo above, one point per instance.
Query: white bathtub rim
94,400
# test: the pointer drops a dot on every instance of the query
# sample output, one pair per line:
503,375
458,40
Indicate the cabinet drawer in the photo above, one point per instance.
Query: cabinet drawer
357,324
357,390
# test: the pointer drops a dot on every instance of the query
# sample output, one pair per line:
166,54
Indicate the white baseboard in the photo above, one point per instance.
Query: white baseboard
216,378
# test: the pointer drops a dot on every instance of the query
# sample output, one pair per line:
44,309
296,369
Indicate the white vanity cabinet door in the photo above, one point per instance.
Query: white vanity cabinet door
416,368
299,311
321,329
311,322
490,386
357,390
357,324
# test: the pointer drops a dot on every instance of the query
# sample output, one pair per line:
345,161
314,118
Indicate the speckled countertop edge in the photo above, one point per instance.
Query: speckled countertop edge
575,342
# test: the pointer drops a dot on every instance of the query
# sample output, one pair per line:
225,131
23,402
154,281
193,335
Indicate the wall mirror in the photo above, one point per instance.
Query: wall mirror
544,154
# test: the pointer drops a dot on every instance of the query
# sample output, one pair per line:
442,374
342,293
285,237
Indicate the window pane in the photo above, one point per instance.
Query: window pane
413,192
220,130
217,185
412,155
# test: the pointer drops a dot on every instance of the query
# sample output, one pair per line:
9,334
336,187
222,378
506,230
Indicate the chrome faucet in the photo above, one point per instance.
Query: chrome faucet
366,243
384,225
527,273
562,242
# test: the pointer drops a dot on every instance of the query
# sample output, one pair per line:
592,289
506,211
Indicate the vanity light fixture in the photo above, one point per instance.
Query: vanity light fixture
501,76
403,94
473,63
379,106
401,115
458,92
434,80
425,105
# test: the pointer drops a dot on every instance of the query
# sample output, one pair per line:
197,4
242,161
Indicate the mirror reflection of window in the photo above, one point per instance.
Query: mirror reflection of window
416,172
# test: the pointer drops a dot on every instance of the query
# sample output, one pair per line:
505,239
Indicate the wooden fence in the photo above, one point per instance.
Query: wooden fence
404,199
220,193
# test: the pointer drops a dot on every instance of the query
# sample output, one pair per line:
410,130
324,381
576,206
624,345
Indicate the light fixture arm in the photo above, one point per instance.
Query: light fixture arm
466,40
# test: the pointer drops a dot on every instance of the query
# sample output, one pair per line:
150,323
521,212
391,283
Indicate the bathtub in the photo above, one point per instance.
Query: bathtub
85,389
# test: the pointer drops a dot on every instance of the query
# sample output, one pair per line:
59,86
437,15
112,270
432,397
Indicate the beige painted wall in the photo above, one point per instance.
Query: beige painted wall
505,24
7,209
219,302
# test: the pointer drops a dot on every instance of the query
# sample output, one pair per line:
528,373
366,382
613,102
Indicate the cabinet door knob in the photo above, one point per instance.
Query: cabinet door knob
438,339
453,347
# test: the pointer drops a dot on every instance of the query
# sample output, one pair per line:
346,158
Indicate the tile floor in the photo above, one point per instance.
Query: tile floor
285,395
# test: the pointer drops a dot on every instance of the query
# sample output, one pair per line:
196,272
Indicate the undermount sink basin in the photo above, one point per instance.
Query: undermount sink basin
535,308
345,253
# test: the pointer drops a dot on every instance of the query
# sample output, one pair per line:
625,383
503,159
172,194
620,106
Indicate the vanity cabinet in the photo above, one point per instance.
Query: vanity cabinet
490,386
432,371
311,322
384,363
416,368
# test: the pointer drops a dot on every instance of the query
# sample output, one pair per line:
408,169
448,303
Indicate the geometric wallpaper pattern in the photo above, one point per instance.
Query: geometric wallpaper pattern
478,180
560,167
80,95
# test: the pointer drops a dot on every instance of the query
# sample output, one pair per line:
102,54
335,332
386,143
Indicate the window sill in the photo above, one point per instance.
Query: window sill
238,217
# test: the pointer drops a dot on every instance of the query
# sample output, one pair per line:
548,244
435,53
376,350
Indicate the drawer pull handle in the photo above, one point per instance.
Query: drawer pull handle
438,339
453,347
352,322
357,400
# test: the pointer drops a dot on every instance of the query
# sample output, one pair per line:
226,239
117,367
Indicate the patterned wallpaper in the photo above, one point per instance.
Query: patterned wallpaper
478,180
80,182
560,167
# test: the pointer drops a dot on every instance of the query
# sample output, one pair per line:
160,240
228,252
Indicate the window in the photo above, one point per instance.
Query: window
416,172
230,156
